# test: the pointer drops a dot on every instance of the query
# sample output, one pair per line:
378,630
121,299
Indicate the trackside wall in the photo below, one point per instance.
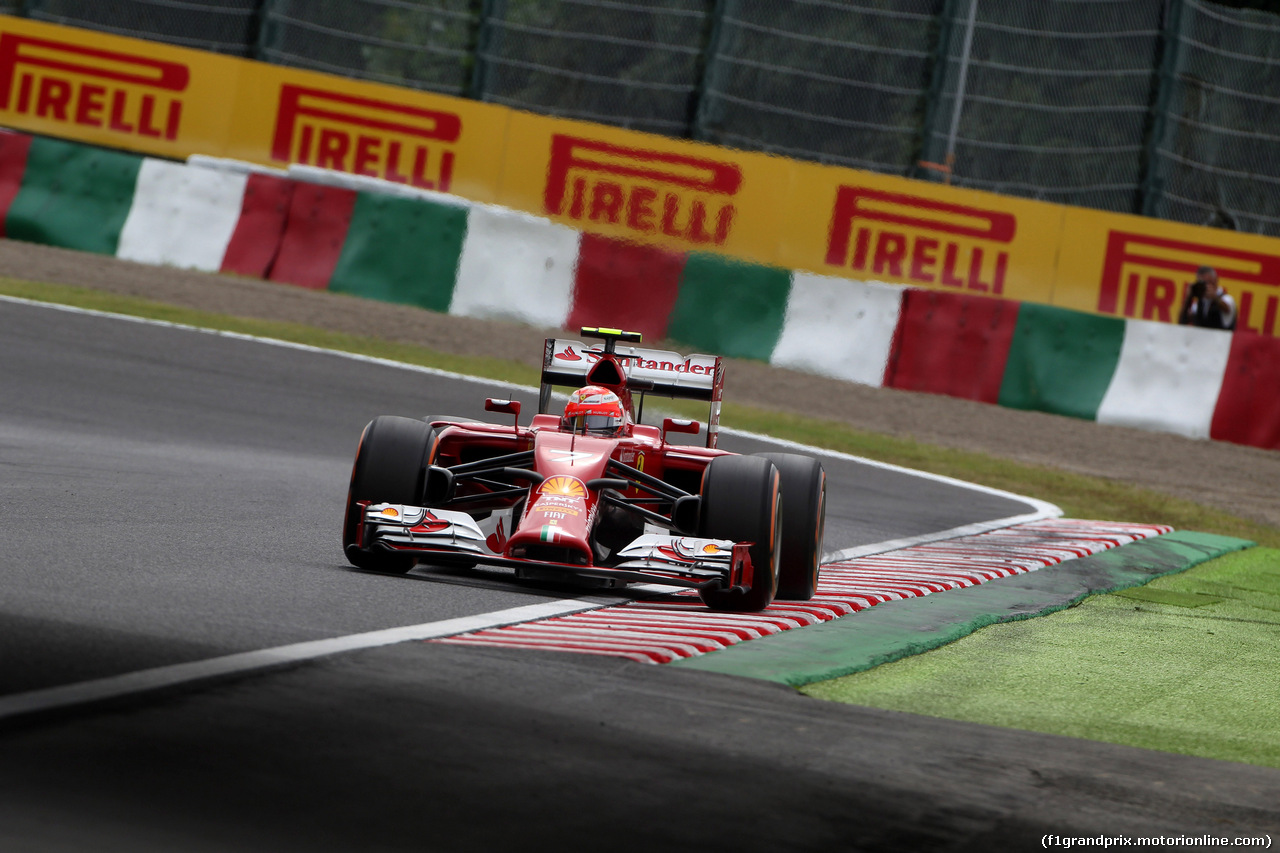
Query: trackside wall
326,230
741,210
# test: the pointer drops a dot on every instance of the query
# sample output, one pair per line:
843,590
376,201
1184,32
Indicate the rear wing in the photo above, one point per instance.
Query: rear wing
567,363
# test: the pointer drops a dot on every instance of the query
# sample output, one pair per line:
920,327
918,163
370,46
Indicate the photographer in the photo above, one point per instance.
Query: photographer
1207,304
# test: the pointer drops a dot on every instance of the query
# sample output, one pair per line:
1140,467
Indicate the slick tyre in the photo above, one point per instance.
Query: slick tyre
742,502
804,485
389,468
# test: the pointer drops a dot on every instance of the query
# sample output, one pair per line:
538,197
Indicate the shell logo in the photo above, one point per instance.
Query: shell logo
567,486
710,548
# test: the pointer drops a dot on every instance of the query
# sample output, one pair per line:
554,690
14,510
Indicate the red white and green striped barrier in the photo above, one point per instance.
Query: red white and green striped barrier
367,238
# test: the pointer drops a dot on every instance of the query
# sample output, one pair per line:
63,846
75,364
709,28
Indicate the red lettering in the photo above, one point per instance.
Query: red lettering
175,116
90,104
446,172
304,146
24,93
333,147
922,256
1131,257
572,153
53,98
1158,299
1269,318
697,218
418,175
116,121
975,271
1002,266
1131,295
606,202
861,248
298,102
639,212
670,208
145,127
366,156
393,163
917,212
579,198
890,250
949,267
724,221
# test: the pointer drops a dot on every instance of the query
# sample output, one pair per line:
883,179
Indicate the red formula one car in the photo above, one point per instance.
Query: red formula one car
593,493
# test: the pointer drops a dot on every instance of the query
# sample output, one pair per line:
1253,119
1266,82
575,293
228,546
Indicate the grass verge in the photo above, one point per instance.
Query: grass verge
1183,664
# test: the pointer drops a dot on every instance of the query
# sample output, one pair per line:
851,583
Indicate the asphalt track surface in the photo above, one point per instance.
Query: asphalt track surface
171,496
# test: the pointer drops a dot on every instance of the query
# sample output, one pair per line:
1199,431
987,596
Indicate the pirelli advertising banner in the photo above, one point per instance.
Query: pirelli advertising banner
645,188
117,92
864,226
285,115
174,102
1131,266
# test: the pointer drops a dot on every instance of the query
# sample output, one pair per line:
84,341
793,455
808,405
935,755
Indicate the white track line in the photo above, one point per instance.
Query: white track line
141,681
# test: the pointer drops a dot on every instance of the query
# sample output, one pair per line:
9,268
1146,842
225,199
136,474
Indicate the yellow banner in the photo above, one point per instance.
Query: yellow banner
286,115
112,91
1131,266
175,102
865,226
635,186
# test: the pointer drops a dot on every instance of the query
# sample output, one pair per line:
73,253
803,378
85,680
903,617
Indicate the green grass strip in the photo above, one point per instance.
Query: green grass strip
897,629
1185,664
96,300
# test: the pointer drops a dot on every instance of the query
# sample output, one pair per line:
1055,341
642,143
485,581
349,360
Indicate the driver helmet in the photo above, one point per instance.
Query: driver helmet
593,411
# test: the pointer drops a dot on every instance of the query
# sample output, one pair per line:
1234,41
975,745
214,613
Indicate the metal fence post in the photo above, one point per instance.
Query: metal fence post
927,155
700,111
1166,78
266,28
489,10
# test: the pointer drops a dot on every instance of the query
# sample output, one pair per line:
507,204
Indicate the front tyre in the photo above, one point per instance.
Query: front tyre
804,484
742,502
389,468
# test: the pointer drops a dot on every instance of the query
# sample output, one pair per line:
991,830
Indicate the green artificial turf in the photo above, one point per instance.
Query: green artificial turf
1184,664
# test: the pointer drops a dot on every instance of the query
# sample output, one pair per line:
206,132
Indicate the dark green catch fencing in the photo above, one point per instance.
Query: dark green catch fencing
1053,98
834,82
224,26
1169,108
401,42
1215,148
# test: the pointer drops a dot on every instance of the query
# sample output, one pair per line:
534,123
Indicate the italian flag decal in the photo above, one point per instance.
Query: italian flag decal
548,533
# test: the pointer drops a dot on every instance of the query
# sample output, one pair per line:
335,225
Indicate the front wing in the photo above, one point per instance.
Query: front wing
451,537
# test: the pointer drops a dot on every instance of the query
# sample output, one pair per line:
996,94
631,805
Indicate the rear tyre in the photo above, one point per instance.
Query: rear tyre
804,484
389,468
742,502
